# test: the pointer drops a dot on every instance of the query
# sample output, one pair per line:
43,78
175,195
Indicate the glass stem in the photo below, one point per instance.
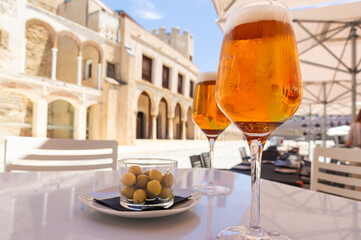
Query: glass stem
256,148
211,141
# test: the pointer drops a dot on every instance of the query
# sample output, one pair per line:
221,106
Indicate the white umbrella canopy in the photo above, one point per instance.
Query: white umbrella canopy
327,42
223,7
324,35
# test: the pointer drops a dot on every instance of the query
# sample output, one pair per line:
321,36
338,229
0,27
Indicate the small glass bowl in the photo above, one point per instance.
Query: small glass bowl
147,183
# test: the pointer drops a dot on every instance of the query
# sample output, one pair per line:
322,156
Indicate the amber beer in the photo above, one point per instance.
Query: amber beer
206,114
259,82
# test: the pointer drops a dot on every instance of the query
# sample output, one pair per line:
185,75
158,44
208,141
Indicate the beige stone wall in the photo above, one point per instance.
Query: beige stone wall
113,55
8,8
74,10
190,125
94,122
49,5
4,39
38,51
16,112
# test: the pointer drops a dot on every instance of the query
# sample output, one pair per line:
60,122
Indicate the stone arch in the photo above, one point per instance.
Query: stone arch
60,119
40,41
20,88
189,124
183,116
35,21
68,97
162,119
96,46
67,58
177,121
144,118
16,114
152,101
71,36
169,103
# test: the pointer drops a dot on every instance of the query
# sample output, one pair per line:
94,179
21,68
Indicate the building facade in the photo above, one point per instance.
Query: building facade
77,69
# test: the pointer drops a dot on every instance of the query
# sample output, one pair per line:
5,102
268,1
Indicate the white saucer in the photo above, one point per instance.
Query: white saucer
88,199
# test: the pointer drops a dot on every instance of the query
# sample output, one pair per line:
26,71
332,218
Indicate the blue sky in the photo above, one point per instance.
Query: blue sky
198,16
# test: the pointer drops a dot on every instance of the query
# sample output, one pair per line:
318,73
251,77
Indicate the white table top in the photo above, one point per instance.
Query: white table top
45,206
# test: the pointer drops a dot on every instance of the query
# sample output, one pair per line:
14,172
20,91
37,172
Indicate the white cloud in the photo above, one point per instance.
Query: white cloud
148,14
146,9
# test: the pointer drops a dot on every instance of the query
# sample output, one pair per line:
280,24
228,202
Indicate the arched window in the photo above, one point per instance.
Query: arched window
67,66
143,117
90,66
60,119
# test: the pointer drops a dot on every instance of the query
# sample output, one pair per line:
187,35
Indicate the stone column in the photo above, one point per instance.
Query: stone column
80,122
170,127
174,79
80,62
23,57
99,76
184,135
54,58
154,127
40,118
157,70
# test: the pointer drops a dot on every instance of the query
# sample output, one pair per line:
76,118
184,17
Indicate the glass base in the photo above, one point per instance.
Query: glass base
212,190
243,233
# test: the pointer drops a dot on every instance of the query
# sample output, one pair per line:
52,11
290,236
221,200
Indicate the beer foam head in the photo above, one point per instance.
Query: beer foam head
207,76
257,11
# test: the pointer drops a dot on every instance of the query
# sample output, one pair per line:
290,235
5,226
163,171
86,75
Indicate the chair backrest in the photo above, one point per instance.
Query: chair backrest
51,154
328,175
243,153
196,161
271,153
206,160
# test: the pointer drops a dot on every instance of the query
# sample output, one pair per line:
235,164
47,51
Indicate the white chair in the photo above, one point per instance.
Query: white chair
335,178
51,154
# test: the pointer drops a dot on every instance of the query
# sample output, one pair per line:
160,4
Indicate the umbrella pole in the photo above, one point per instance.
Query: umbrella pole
353,37
309,132
324,125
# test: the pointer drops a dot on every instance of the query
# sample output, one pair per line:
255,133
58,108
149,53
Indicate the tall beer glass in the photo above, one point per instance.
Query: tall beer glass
211,120
258,87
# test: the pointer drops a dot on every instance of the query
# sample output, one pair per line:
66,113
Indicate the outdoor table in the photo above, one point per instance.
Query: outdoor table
268,172
44,205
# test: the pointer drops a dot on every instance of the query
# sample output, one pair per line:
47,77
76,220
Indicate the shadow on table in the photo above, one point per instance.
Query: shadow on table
175,226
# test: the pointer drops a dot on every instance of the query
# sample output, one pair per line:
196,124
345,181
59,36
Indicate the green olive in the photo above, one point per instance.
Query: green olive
142,181
164,193
136,170
139,196
154,187
155,174
128,192
128,179
168,180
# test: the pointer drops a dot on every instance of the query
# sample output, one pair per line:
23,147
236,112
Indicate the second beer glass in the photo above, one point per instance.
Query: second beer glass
211,120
